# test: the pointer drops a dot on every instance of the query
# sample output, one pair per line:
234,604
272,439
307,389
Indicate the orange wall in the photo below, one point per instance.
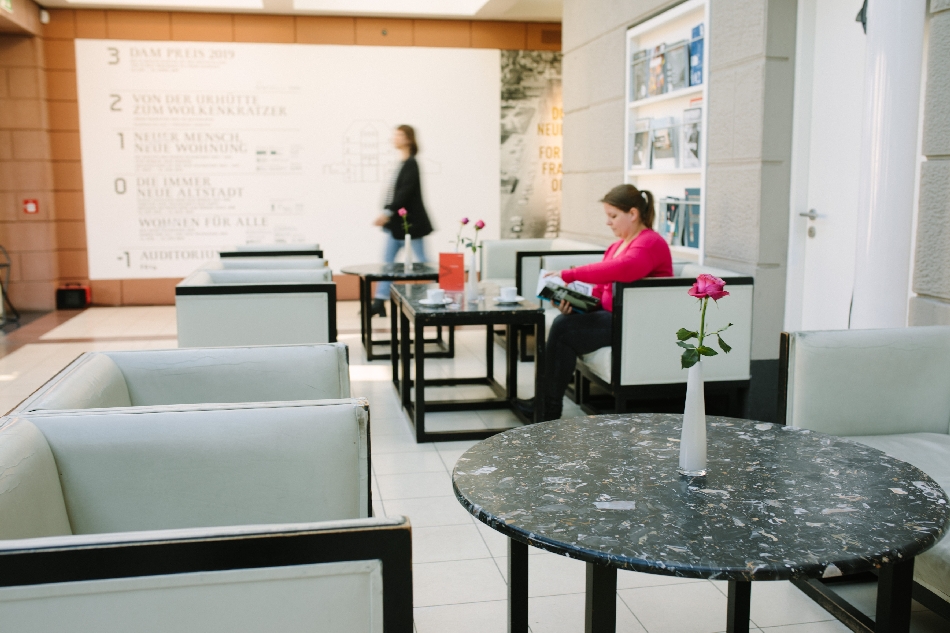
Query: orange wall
39,121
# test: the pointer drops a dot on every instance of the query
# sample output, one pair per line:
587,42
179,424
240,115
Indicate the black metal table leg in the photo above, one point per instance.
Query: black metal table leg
364,314
511,364
895,584
517,587
539,360
490,351
737,613
600,608
406,353
394,340
419,408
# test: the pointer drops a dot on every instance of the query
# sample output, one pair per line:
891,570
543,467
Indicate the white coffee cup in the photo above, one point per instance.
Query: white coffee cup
435,295
509,293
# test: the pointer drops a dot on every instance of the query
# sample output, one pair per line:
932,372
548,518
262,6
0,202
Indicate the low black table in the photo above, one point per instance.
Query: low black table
778,503
406,309
369,273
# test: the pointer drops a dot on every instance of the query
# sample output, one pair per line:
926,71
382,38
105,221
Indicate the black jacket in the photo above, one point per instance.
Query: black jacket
407,194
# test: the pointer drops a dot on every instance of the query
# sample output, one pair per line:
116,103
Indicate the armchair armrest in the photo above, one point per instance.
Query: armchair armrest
350,576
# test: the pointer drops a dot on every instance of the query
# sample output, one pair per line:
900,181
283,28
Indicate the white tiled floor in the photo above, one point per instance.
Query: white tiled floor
459,564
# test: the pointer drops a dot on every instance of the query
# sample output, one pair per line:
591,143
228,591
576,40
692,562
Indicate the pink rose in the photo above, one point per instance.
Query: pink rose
479,225
402,213
464,220
708,286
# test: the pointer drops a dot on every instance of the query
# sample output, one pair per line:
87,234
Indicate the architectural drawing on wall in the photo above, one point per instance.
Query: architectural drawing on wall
368,154
530,143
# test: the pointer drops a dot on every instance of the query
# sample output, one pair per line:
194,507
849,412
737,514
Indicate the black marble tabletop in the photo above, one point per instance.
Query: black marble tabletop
414,293
778,502
393,271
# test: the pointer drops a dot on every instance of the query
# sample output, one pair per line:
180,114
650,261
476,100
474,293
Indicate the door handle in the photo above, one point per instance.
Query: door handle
811,215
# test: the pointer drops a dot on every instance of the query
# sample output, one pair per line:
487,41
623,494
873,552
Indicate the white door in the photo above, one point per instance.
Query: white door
829,105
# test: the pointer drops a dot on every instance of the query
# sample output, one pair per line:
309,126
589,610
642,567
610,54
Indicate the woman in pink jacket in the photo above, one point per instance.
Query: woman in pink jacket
639,252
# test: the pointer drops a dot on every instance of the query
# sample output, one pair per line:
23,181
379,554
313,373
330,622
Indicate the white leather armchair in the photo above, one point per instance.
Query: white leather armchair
192,376
643,362
253,261
256,307
183,517
518,262
888,389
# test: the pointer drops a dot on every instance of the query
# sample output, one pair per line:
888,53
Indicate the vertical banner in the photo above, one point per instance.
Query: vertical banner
531,122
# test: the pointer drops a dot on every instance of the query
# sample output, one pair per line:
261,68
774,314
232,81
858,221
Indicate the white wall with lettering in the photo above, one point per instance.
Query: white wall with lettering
190,148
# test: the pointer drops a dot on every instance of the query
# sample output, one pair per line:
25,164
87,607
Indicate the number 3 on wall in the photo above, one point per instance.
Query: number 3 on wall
113,55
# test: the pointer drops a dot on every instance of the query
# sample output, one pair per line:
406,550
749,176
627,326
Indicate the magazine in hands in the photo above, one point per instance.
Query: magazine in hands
577,293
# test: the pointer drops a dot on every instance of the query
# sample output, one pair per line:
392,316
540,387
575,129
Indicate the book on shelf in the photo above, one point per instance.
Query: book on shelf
657,79
690,131
577,293
640,75
696,56
673,216
691,209
676,66
640,149
664,143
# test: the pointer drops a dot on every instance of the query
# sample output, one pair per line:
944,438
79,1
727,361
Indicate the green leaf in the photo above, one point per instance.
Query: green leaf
685,345
707,351
690,357
722,345
684,335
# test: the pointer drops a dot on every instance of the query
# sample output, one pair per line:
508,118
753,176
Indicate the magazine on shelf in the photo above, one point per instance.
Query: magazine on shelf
577,293
640,69
640,150
672,228
664,143
690,130
657,81
677,66
691,210
696,56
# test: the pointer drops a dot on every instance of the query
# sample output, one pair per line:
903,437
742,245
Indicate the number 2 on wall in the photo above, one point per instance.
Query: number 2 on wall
114,106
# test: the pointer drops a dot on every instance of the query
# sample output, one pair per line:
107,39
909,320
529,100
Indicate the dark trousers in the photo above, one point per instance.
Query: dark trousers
571,335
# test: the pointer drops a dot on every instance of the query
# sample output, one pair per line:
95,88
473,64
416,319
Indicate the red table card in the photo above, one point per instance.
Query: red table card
451,272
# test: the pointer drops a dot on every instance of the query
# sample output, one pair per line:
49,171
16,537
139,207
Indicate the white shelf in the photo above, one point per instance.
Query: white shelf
675,171
666,96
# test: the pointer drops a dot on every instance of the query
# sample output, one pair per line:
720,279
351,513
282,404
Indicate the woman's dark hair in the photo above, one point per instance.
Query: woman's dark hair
411,137
627,197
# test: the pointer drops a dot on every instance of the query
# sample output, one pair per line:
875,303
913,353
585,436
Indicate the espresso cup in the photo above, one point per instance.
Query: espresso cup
509,293
435,295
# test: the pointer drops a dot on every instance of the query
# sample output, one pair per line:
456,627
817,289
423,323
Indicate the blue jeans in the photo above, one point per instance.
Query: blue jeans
393,246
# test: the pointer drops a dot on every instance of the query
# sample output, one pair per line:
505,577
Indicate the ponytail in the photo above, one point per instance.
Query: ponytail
627,198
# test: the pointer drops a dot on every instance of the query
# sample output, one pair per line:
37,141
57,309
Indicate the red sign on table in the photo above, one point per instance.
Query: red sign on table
451,272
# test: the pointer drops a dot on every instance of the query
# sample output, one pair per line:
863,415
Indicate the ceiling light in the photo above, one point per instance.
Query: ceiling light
164,4
388,7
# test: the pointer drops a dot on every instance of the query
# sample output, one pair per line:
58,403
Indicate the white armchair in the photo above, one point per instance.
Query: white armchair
643,362
192,376
256,307
888,389
174,518
518,262
254,261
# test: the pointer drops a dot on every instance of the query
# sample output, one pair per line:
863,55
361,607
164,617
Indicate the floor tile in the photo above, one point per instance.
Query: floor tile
780,602
553,575
633,580
457,582
402,463
398,444
687,608
472,617
813,627
430,511
565,614
445,543
414,485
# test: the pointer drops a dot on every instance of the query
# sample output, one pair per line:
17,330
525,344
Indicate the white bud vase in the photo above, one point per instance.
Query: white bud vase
471,286
407,254
693,438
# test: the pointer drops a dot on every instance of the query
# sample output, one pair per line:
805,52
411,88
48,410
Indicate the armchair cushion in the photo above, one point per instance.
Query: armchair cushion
210,465
870,382
99,384
31,499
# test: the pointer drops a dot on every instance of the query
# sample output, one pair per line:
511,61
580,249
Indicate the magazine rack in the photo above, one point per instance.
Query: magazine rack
665,140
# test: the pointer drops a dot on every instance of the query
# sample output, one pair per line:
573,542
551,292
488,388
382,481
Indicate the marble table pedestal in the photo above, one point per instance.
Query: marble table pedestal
778,503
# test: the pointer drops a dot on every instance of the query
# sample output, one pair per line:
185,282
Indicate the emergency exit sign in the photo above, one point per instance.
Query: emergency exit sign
30,206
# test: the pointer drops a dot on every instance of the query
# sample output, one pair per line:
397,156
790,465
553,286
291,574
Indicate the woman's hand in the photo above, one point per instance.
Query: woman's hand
565,307
381,220
553,273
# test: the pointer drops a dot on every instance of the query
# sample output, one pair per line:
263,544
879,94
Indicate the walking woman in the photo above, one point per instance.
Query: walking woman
405,192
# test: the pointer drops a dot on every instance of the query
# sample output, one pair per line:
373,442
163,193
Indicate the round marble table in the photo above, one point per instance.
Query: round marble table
778,503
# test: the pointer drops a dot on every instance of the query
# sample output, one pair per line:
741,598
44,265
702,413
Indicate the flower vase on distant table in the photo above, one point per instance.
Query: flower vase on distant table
407,254
693,437
472,245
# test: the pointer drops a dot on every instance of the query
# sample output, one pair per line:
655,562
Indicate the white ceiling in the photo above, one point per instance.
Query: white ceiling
529,10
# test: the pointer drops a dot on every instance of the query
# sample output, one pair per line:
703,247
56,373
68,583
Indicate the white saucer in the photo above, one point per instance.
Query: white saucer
444,302
500,300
